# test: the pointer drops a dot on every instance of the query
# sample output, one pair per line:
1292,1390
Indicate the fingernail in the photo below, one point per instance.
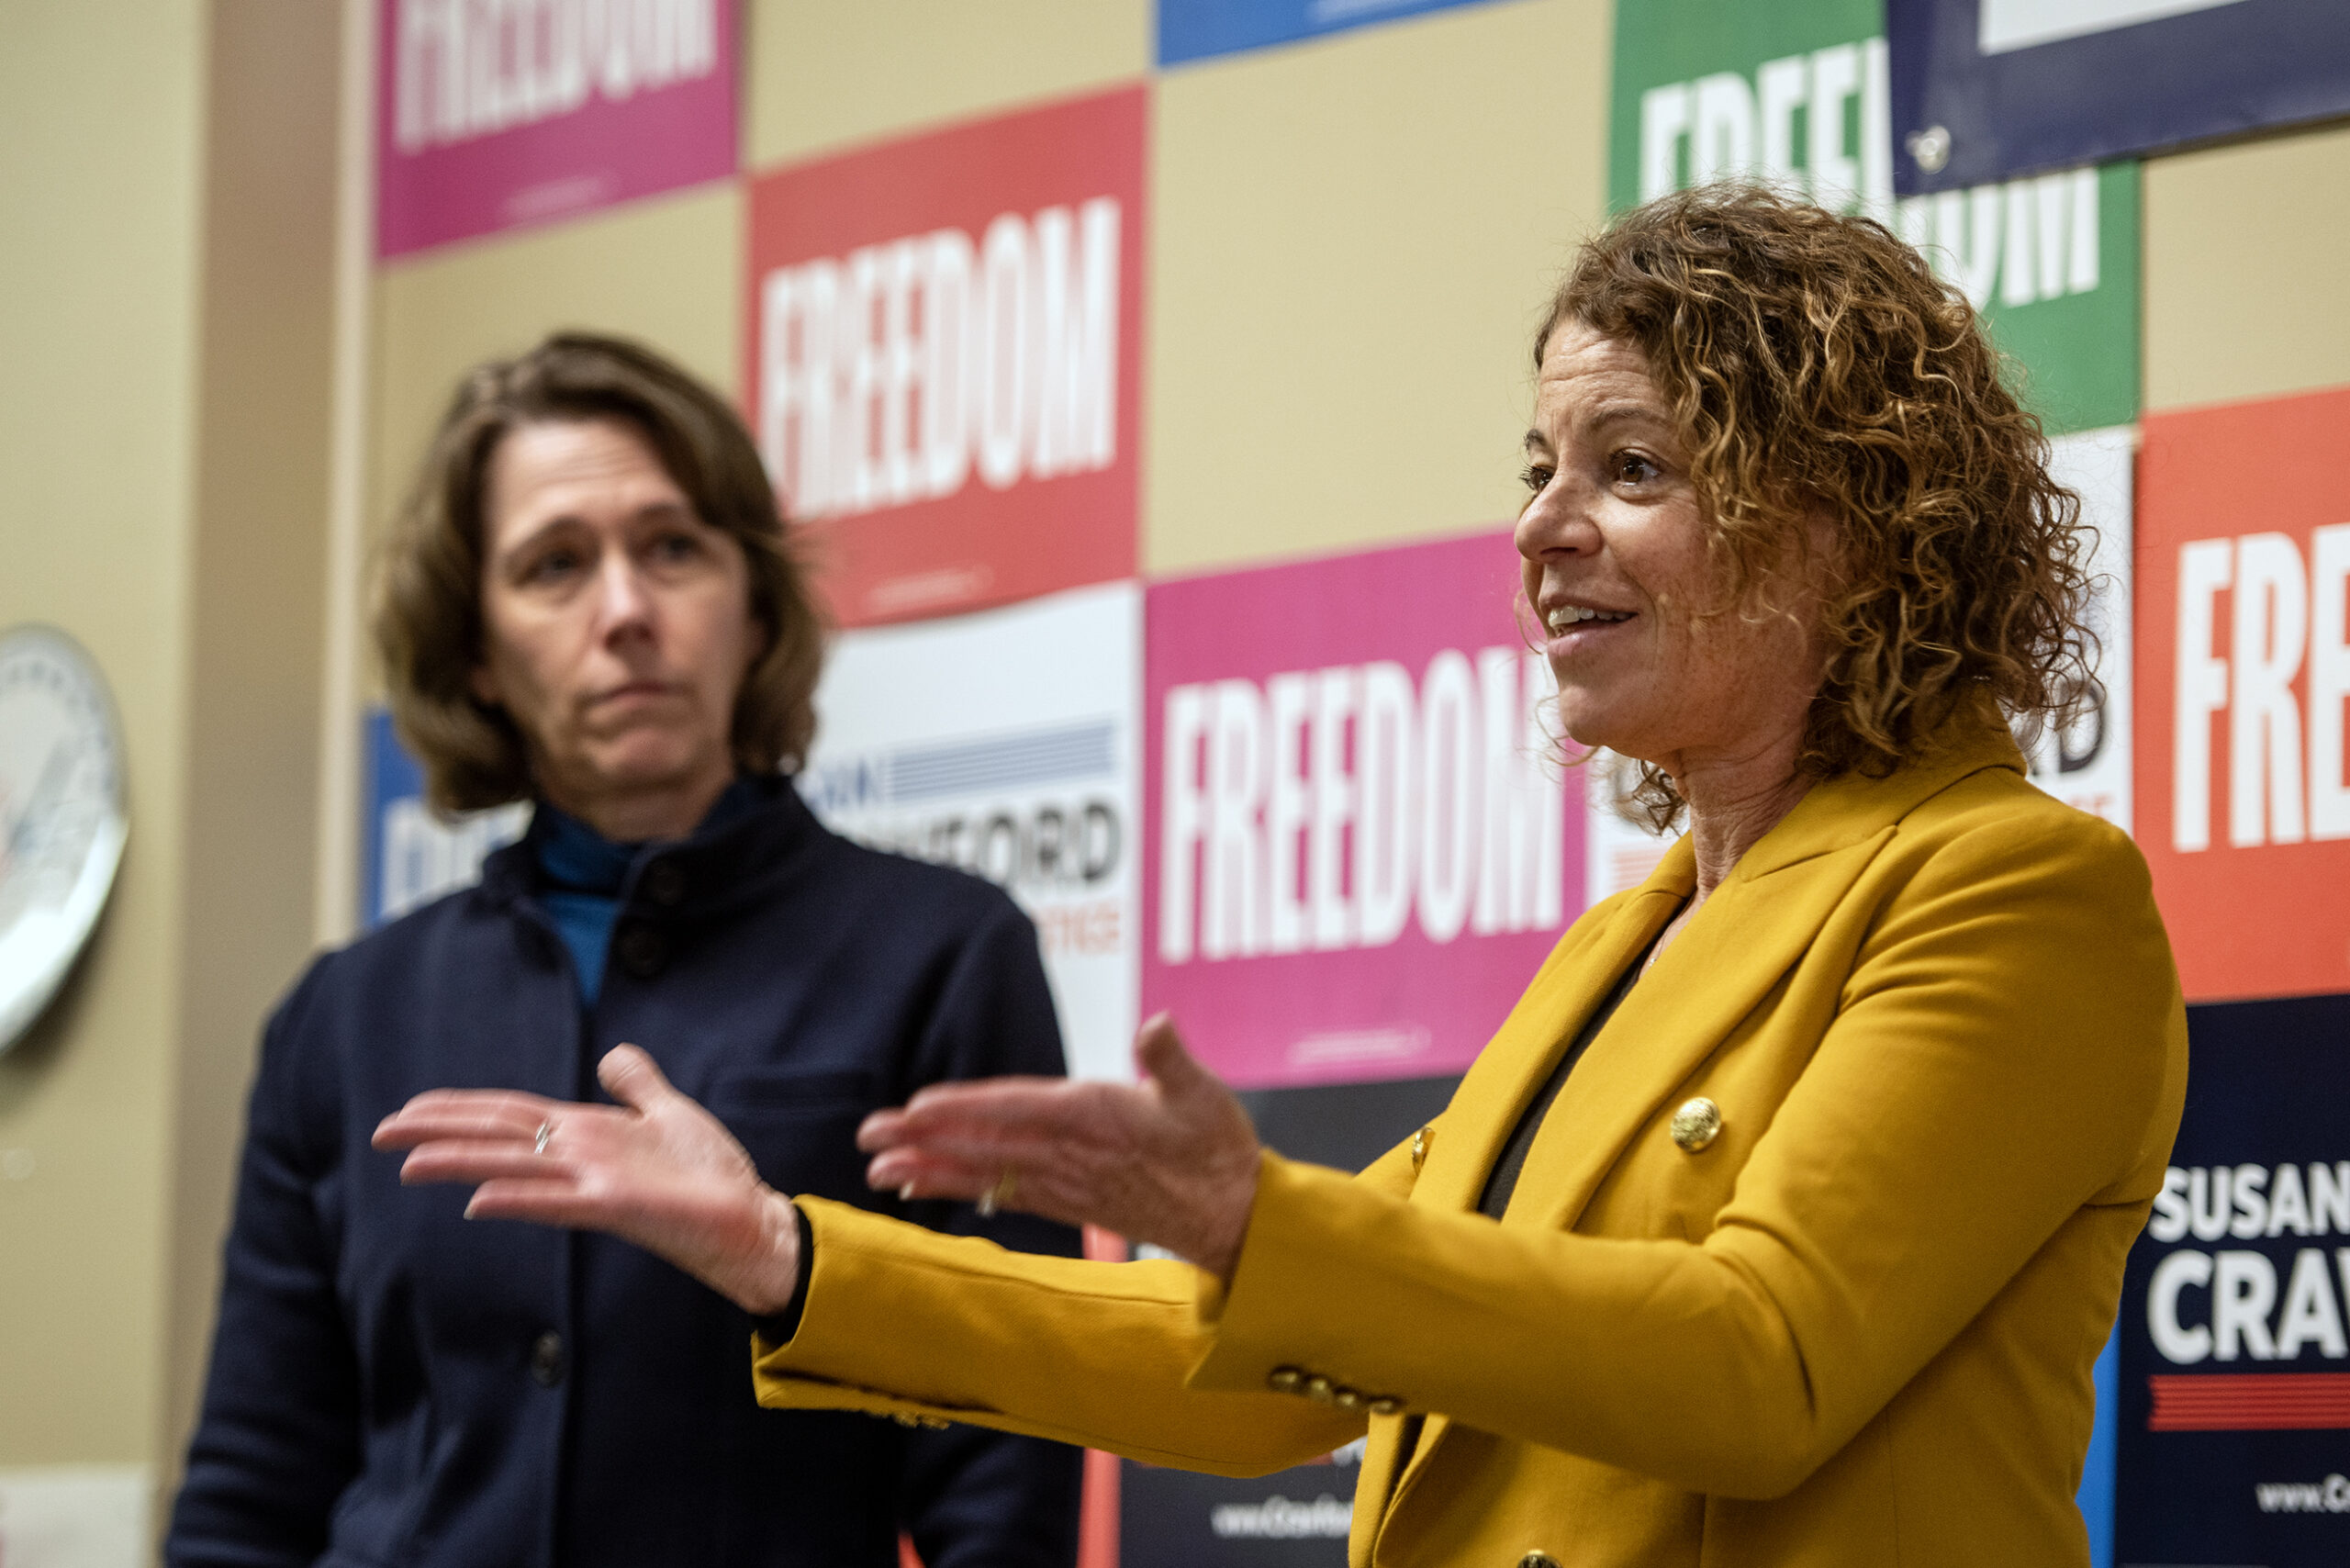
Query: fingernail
906,1194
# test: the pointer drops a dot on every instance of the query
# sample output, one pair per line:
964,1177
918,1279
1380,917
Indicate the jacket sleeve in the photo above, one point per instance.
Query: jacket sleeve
970,1497
2009,1049
904,1323
277,1439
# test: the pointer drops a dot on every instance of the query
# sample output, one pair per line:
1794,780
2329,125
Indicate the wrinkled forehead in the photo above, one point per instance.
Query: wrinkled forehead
1589,382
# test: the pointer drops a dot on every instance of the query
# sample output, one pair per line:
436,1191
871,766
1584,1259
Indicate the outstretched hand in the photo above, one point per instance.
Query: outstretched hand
657,1169
1171,1160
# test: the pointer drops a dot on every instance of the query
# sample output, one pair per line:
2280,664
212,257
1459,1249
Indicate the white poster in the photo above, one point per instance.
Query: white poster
2086,765
1008,742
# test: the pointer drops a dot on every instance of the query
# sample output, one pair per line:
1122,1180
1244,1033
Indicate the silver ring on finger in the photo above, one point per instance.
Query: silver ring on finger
545,1137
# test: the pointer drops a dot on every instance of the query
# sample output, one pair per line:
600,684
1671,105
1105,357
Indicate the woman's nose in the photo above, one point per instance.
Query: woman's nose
622,601
1556,520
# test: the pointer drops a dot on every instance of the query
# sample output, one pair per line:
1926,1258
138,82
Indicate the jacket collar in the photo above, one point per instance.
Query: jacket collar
732,857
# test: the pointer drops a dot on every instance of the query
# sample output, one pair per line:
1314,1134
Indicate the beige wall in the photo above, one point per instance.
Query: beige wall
255,605
2244,277
164,437
98,447
1350,245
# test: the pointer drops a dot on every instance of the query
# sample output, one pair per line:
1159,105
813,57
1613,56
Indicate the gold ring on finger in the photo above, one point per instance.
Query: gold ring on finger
999,1194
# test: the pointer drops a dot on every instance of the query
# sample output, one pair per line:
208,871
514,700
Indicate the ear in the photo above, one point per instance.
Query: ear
483,682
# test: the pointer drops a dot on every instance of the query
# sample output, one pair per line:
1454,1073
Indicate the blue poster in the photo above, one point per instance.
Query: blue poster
2234,1393
1195,30
409,853
1983,90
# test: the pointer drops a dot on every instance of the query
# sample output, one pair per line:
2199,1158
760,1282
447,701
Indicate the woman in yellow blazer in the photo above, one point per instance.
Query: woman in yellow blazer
1784,1219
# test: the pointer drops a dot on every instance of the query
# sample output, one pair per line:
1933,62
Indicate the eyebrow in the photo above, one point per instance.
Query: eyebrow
1621,409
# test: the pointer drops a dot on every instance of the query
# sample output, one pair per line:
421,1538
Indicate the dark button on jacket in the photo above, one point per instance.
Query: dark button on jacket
393,1384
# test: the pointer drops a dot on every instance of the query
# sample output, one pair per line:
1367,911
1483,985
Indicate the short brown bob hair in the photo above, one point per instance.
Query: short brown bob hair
428,605
1816,367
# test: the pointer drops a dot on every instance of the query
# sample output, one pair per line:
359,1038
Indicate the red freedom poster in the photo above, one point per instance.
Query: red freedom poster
493,115
945,357
1362,841
2243,678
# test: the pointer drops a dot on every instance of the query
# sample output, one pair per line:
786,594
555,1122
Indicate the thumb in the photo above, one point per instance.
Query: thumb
1160,1055
629,1076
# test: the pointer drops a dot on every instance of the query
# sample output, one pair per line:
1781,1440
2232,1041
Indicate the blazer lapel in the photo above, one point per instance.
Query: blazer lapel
1514,1065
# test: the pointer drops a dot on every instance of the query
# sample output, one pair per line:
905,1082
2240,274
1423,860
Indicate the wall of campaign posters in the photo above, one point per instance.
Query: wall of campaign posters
1335,843
1989,89
1008,742
944,357
493,116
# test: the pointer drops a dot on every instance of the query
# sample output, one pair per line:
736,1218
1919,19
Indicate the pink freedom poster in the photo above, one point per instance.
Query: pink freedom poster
1362,840
501,114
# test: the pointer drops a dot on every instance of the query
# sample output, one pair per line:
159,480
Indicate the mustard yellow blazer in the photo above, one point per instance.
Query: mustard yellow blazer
1938,1018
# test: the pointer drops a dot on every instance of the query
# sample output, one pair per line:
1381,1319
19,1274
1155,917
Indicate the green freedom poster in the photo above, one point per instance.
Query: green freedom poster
1795,92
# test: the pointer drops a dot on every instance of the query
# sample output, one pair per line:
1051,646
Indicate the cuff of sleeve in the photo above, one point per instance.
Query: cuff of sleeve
777,1328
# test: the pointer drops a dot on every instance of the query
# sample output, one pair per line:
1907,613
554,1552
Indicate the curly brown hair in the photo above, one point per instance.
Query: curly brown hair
428,616
1815,366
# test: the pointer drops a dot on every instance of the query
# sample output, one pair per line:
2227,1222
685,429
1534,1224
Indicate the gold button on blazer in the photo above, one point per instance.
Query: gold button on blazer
1844,1314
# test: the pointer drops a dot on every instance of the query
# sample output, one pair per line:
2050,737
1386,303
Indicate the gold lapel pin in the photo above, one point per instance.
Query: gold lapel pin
1420,1147
1696,1125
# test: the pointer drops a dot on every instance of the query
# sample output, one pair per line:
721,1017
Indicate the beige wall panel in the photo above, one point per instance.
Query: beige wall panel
256,647
826,72
1351,241
2244,294
100,115
668,271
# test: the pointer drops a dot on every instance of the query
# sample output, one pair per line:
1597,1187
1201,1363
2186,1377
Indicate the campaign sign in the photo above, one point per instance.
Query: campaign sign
1360,841
945,357
1798,93
1989,89
2244,811
1195,30
2236,1347
1006,743
409,853
500,114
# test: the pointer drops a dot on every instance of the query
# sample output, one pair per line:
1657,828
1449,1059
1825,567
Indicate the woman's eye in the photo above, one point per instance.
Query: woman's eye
1537,478
1632,468
551,566
677,547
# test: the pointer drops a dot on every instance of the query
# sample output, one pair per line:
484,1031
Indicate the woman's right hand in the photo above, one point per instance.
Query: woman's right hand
657,1169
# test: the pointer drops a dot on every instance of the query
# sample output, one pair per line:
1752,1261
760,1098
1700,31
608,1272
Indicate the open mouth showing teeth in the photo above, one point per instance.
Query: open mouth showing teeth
1575,615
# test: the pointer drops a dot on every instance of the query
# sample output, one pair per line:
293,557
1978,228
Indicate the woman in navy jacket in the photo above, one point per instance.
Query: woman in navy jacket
592,606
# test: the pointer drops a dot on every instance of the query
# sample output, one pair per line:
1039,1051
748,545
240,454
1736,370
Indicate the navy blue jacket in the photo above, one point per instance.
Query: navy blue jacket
391,1383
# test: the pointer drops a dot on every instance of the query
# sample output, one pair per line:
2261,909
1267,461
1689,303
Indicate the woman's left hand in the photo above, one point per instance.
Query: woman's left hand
657,1169
1171,1160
